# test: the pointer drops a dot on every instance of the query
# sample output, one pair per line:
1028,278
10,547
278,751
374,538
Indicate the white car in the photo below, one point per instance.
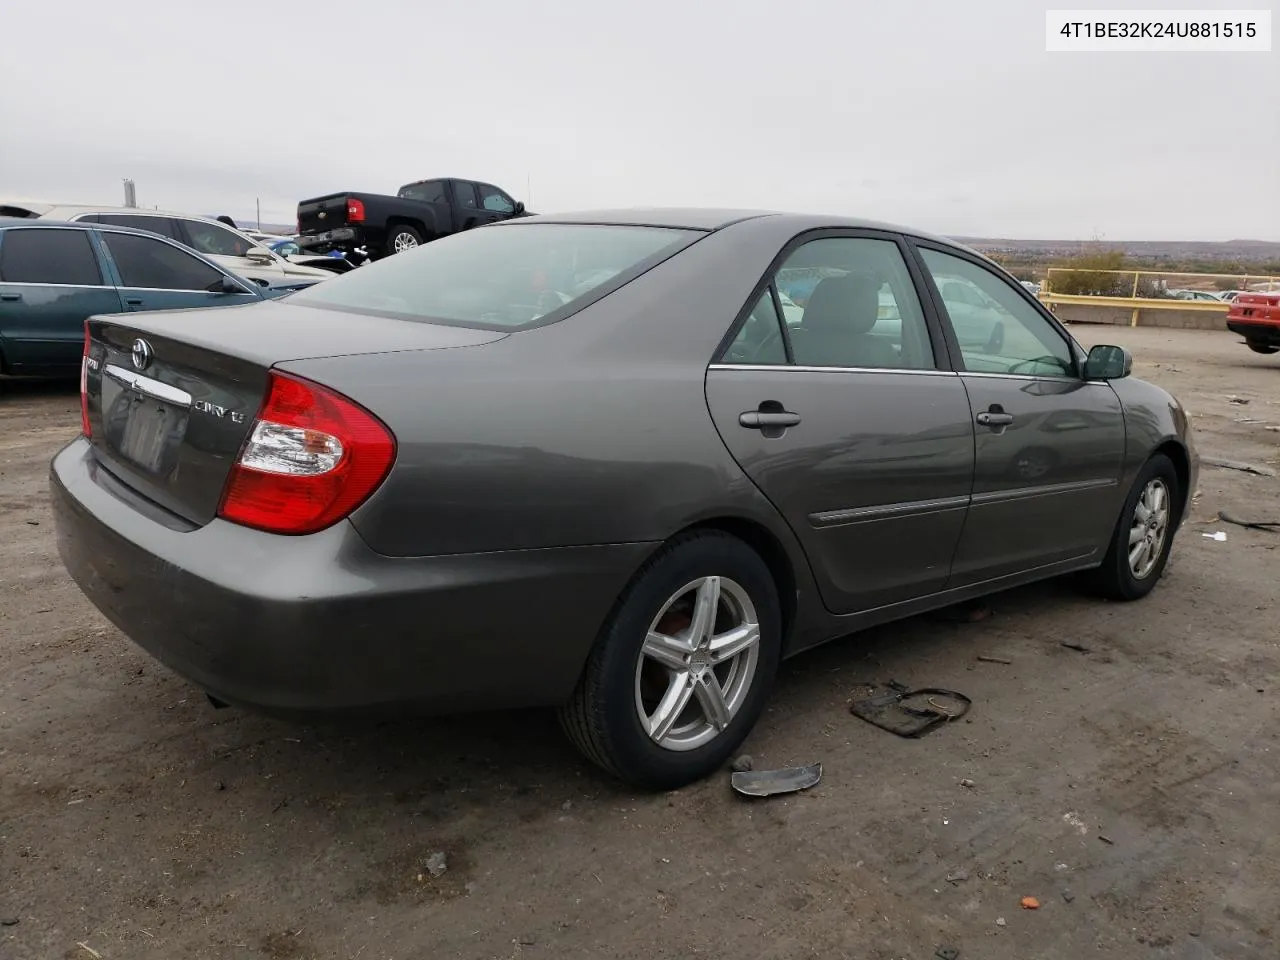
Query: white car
229,248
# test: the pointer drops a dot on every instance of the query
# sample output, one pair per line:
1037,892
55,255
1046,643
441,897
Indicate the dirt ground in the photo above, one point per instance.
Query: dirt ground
138,822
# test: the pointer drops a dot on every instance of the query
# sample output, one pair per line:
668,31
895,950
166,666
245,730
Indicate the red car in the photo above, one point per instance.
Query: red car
1256,317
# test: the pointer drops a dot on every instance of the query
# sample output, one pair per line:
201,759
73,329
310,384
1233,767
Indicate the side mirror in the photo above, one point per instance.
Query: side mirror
260,255
1107,362
519,207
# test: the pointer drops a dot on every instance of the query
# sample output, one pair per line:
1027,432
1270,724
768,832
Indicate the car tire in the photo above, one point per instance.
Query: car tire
401,238
608,716
1257,347
1119,577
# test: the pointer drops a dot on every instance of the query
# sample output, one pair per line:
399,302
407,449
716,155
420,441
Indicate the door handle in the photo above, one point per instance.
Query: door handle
14,297
763,420
995,418
133,301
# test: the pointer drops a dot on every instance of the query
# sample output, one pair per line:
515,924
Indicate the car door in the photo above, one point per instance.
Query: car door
158,275
51,280
231,250
845,417
495,205
1049,444
466,203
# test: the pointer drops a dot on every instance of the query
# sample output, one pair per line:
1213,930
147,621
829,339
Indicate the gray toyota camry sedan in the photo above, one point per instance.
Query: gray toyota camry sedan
595,463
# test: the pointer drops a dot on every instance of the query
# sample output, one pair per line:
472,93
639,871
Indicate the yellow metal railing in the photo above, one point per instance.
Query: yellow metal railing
1151,295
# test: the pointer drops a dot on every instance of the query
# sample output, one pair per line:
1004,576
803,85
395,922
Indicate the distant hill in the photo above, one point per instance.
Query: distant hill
1237,250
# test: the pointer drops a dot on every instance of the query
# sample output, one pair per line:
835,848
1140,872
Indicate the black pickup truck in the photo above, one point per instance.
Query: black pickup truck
419,213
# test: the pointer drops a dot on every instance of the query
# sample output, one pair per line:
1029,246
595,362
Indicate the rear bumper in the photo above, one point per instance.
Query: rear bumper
322,623
1267,334
334,239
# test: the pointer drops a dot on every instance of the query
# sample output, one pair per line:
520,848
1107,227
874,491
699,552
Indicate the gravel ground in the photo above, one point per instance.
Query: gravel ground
137,822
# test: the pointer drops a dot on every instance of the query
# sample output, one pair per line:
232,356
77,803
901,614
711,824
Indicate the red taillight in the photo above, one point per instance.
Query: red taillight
85,428
311,458
355,210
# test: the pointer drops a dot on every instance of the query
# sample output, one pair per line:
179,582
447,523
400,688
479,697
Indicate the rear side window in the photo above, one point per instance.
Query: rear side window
160,225
156,265
466,192
430,192
49,256
500,277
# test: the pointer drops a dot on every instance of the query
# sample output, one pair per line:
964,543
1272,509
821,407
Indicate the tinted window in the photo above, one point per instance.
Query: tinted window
466,192
505,276
760,339
214,240
491,198
431,192
144,262
998,331
160,225
48,256
850,302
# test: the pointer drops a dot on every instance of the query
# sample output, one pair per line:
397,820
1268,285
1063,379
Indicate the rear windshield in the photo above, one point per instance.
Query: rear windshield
502,277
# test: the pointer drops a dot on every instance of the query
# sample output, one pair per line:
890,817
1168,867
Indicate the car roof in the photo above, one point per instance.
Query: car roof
716,218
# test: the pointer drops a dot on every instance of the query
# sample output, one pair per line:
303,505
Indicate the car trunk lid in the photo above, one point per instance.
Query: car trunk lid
1255,308
171,396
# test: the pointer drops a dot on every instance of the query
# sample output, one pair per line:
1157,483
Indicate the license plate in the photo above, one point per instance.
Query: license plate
152,429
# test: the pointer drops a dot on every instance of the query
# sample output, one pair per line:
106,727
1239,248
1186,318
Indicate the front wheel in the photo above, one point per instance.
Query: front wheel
683,667
1257,347
1143,536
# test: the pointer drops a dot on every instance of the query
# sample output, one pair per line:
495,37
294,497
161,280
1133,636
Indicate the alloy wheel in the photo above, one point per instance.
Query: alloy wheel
1149,528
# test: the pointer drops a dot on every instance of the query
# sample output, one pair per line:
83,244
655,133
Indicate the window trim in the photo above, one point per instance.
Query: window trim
104,281
171,234
105,229
943,358
918,244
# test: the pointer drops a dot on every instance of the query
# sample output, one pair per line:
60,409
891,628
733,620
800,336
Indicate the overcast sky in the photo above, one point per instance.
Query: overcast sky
945,115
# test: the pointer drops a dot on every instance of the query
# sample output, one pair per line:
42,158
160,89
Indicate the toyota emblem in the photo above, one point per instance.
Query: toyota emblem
142,354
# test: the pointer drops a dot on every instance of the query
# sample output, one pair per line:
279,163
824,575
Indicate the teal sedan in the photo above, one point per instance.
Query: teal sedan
53,276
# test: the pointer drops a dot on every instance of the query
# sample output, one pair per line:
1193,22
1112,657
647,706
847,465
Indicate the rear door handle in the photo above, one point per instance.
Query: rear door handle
14,297
757,420
990,418
133,301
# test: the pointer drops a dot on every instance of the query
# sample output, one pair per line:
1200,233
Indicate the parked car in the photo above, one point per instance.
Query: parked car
227,246
287,247
1256,317
419,212
581,462
53,276
1197,295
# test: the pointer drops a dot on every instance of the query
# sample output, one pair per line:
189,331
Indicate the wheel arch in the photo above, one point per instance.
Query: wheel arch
402,220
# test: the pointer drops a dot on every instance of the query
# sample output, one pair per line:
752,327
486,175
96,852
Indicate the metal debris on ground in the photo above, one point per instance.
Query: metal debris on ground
1272,526
1237,400
958,876
743,764
8,921
437,864
1240,465
1106,840
1220,536
1077,647
768,783
910,713
967,783
986,659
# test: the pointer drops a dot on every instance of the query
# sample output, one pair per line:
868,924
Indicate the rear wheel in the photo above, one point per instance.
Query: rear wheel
683,667
401,238
1257,347
1144,534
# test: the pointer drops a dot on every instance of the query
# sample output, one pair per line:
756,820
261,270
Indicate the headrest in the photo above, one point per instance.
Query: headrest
848,304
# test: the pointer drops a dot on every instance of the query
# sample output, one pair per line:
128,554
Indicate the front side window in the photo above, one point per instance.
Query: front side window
850,302
215,241
499,277
49,256
998,331
491,198
147,263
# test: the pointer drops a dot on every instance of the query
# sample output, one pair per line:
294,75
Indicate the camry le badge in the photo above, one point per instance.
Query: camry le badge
142,354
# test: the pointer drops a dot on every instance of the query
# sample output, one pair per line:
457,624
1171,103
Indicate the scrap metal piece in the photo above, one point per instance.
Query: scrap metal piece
767,783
